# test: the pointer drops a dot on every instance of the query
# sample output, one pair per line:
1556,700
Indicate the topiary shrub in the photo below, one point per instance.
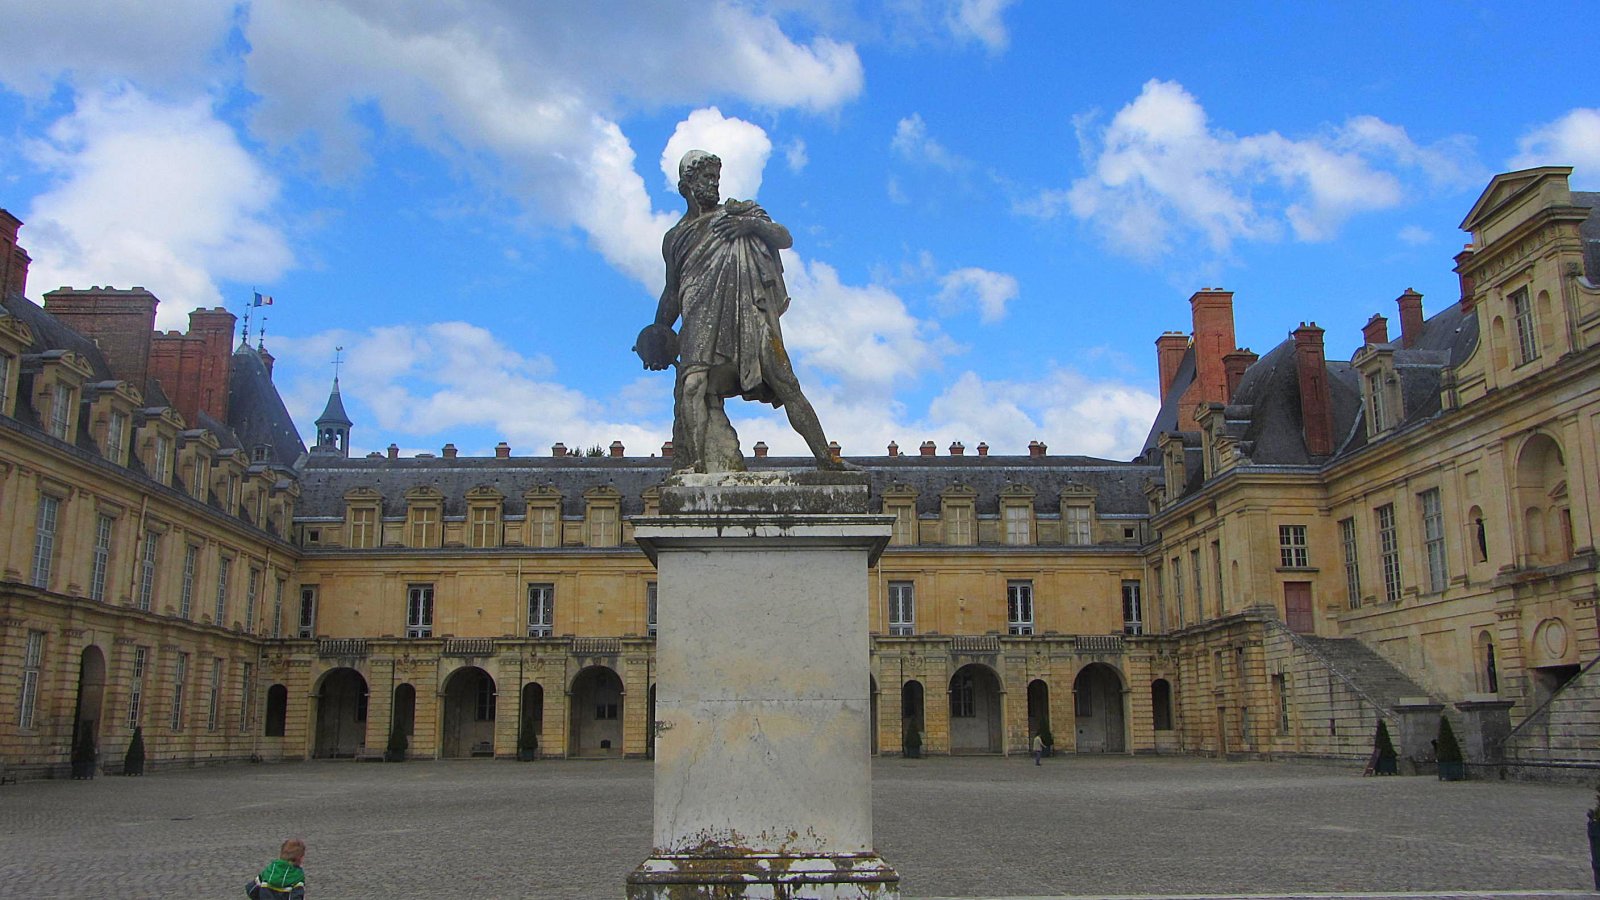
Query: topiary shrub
912,741
1452,767
1385,760
528,740
133,760
396,751
83,752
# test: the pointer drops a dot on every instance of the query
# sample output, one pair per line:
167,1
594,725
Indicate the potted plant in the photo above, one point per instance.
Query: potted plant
133,760
396,751
1385,761
83,753
912,742
1594,838
1451,765
528,741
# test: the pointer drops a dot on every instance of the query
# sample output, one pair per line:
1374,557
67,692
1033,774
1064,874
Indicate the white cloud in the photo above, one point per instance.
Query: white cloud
980,21
1160,173
912,142
92,42
1415,235
1071,412
972,286
1572,140
795,155
742,147
160,195
495,83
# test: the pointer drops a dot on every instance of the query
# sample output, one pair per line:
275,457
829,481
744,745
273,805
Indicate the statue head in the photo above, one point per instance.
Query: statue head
699,178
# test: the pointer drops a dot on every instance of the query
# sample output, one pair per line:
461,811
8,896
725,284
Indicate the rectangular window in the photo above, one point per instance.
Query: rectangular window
483,709
247,690
1389,550
1019,525
307,626
214,698
1079,527
1019,607
546,523
1280,698
1292,553
117,438
605,712
541,609
1377,405
5,384
419,610
44,540
1158,575
102,557
60,410
277,608
1352,562
962,704
1527,337
147,570
180,674
958,525
905,524
484,523
224,572
602,525
141,659
1216,573
1132,613
162,459
1199,583
1433,537
32,660
363,528
650,608
902,607
191,557
1177,589
424,526
251,591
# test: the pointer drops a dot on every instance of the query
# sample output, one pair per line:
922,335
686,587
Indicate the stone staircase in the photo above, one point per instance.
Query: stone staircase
1363,669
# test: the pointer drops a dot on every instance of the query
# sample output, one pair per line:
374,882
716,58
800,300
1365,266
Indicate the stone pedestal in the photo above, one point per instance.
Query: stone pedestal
763,781
1485,724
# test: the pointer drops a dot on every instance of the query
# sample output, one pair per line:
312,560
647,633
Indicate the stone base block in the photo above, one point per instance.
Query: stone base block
764,876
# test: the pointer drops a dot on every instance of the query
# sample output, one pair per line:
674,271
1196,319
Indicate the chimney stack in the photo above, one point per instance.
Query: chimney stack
13,259
1235,364
983,449
1376,331
956,449
267,359
616,449
1037,449
929,448
1467,284
666,450
834,450
1170,348
1212,310
1410,304
558,450
449,451
1316,406
761,449
502,450
894,449
394,451
121,322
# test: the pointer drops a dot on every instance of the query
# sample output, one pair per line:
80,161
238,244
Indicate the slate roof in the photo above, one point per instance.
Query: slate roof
256,412
1590,232
50,333
333,413
325,480
1167,416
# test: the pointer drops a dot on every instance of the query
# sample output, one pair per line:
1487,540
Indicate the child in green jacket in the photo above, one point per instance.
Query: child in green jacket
283,877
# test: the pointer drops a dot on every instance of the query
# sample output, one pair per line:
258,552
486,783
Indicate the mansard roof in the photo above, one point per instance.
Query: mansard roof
50,333
1118,486
256,413
1590,232
1167,416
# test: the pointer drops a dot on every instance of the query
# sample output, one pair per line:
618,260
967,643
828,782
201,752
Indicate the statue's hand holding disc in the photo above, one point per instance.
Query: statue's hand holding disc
657,346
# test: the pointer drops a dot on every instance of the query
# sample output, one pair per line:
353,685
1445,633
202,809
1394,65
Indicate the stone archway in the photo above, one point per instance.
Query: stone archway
1098,710
1038,708
532,716
975,725
596,713
469,713
405,711
912,719
91,693
341,728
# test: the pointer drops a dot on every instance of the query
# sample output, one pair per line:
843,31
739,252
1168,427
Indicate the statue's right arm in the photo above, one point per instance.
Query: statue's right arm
670,306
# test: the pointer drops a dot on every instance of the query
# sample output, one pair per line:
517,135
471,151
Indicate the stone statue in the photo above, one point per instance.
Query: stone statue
724,278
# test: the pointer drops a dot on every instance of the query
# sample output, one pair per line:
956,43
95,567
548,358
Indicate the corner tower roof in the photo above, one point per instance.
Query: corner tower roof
333,413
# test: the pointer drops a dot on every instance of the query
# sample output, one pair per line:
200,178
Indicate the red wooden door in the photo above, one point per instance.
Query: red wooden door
1297,606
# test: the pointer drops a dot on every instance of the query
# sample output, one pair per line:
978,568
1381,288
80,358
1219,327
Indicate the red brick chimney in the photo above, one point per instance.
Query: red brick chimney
1376,331
929,448
558,449
13,259
761,449
1235,364
666,449
1316,406
449,451
119,321
834,450
1212,310
267,359
983,448
1410,317
956,449
1037,448
894,449
1169,353
616,449
394,451
502,450
1467,284
194,369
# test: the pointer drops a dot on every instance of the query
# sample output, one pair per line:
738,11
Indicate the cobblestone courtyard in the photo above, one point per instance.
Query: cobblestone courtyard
975,827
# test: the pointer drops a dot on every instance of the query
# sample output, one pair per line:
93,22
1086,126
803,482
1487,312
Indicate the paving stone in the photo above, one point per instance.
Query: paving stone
954,827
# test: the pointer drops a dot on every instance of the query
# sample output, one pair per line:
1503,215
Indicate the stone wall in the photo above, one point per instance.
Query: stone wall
1561,739
1329,716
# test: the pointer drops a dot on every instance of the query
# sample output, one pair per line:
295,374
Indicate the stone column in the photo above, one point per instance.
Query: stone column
1419,726
763,780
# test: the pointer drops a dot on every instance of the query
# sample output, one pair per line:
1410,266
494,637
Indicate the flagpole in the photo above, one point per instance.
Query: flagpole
247,308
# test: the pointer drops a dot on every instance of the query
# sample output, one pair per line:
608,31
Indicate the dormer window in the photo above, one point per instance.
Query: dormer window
1522,317
7,367
60,410
117,438
1377,407
161,458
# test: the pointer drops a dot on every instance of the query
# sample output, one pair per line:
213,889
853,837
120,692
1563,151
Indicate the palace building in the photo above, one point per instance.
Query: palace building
1305,547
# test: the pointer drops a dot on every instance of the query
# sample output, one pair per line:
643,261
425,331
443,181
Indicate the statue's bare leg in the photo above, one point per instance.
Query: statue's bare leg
692,415
778,373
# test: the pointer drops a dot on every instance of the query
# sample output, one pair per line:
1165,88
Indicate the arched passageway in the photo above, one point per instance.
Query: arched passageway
405,712
975,710
91,693
596,713
341,714
531,722
469,711
277,711
912,723
1038,708
1161,704
1097,703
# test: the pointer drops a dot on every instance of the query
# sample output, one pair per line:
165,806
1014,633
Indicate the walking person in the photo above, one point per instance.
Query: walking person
1038,749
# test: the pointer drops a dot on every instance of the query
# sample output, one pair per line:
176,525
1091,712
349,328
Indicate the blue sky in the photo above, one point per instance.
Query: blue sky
997,206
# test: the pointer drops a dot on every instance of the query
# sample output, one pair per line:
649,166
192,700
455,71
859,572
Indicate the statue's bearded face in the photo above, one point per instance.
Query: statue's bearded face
705,184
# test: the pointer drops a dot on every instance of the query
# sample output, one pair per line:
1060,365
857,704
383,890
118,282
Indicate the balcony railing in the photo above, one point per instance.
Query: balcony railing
469,647
1100,643
980,643
596,646
341,648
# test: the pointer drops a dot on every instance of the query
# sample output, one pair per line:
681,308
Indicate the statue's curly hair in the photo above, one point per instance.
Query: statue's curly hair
692,162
